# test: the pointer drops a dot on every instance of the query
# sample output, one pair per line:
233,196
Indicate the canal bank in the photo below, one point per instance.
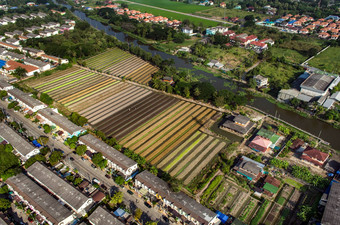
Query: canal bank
314,126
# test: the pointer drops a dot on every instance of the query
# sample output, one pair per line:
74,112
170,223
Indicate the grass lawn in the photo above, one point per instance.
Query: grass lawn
327,60
220,12
173,46
232,57
172,5
279,74
293,183
290,54
171,15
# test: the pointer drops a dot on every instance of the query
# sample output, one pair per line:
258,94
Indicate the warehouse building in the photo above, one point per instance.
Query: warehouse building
100,217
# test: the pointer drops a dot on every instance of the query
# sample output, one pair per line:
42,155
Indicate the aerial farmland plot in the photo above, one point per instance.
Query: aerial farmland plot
122,64
161,128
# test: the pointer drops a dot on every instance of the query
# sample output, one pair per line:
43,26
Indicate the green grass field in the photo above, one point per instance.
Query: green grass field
279,74
172,5
289,54
220,12
171,15
327,60
293,183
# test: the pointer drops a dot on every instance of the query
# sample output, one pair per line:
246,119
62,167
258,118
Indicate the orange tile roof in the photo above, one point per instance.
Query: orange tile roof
12,65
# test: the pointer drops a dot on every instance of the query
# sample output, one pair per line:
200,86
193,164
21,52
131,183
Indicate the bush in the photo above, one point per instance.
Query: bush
55,157
259,214
81,149
33,159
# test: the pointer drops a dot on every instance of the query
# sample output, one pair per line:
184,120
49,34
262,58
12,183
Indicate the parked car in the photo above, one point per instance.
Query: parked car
130,192
82,158
71,158
147,205
95,180
93,166
103,186
107,176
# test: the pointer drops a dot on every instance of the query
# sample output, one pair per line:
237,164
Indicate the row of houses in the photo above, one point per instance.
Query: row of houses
177,202
326,28
7,20
54,200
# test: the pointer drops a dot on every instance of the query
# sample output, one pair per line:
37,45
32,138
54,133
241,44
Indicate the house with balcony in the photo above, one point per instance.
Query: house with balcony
249,168
22,148
179,204
48,209
264,140
65,192
116,160
261,81
53,118
25,100
240,124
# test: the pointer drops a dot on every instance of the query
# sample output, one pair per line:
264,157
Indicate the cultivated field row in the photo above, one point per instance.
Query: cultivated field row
122,64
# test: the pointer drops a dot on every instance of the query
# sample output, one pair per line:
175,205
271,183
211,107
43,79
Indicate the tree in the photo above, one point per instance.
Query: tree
77,181
19,72
47,128
119,180
219,101
12,105
9,163
176,185
153,170
3,94
305,212
33,159
4,190
252,83
138,213
117,198
151,223
43,140
81,149
55,157
99,160
5,204
45,98
179,38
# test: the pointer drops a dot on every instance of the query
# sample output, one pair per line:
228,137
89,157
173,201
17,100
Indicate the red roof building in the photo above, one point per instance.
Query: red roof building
314,156
259,45
260,144
13,65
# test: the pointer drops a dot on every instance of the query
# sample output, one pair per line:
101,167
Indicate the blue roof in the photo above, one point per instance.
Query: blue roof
222,217
267,20
119,212
291,22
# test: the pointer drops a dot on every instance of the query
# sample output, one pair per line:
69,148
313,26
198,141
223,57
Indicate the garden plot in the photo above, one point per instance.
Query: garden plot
248,210
238,204
122,64
273,214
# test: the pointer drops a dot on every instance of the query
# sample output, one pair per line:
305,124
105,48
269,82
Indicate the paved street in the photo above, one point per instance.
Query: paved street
84,167
133,201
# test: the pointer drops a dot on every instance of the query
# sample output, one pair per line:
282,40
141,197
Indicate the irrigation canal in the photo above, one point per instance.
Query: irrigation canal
313,126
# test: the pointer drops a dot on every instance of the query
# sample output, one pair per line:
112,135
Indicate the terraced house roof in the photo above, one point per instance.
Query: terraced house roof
112,154
60,120
100,217
25,98
48,206
67,193
18,142
181,200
